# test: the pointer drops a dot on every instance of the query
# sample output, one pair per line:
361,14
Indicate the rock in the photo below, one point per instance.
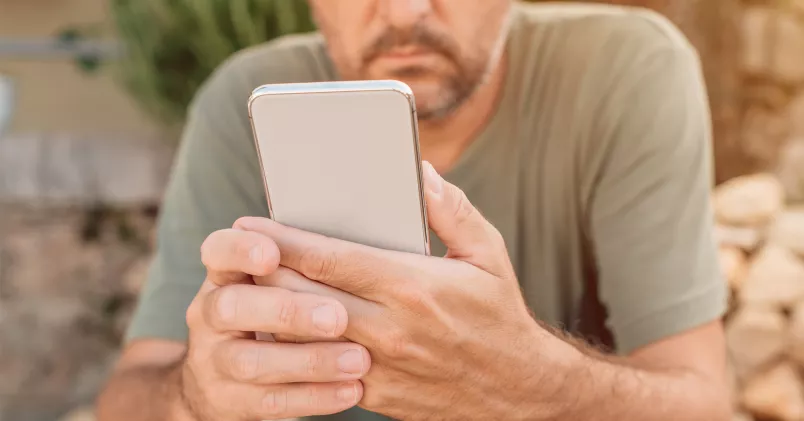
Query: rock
791,166
775,279
796,334
734,266
80,414
743,238
776,394
755,22
755,337
788,57
751,200
765,94
788,231
60,296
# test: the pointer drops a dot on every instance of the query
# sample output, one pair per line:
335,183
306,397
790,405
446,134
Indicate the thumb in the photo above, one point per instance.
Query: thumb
466,233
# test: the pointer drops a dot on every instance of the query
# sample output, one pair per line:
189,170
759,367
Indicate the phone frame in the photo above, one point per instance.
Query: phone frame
345,87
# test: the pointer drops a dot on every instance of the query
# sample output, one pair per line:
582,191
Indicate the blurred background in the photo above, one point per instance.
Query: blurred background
92,98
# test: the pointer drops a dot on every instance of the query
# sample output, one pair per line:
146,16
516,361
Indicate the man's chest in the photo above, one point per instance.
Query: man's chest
542,228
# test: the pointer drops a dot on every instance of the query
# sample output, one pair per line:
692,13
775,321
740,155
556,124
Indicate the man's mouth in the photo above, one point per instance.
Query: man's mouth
409,51
406,56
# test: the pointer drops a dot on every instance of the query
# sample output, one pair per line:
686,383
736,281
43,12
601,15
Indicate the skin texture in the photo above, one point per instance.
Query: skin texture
428,337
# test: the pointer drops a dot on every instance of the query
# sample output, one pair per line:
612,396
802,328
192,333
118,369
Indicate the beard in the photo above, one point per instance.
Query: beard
439,90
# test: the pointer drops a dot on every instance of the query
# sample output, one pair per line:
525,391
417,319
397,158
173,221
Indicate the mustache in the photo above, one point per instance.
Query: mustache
419,35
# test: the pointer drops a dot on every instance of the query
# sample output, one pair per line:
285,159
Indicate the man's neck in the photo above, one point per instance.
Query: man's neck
442,142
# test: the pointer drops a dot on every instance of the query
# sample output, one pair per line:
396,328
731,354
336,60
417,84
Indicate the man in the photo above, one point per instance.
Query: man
580,136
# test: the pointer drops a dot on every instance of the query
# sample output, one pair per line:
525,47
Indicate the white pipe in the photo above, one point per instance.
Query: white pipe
57,49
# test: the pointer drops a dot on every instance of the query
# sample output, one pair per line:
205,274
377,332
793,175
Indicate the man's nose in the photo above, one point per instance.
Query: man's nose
405,13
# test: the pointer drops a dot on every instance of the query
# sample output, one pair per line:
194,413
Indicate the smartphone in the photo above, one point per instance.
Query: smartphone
342,159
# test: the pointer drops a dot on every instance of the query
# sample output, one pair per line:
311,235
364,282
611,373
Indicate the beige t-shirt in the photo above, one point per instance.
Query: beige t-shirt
596,168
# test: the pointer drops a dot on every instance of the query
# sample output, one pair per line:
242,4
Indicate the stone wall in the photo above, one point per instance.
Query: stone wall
77,214
762,256
68,278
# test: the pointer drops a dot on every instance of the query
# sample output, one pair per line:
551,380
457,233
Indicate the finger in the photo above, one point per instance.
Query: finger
460,226
297,400
252,308
364,271
289,279
267,363
294,339
231,255
363,314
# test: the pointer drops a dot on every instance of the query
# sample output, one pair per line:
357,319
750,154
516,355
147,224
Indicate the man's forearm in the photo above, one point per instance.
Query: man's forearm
143,394
614,390
591,385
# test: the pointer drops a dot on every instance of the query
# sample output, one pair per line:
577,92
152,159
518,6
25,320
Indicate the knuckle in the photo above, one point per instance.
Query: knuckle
318,264
463,209
207,248
263,259
373,399
244,364
275,403
497,238
413,297
397,345
223,306
194,314
313,399
288,309
315,359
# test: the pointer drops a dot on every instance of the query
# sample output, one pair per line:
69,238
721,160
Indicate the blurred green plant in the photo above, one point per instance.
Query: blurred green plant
89,63
172,46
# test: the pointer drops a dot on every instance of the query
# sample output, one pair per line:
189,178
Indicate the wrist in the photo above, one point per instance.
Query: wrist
179,407
557,384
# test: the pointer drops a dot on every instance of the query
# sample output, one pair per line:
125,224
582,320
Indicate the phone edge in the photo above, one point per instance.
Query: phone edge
340,87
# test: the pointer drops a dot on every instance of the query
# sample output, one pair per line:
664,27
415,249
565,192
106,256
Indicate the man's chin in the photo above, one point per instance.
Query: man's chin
430,92
420,88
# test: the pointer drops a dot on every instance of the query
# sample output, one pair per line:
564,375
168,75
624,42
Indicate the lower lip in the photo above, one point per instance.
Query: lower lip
401,59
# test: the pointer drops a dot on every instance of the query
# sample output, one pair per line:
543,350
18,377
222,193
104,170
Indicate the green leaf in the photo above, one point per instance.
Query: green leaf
89,64
172,46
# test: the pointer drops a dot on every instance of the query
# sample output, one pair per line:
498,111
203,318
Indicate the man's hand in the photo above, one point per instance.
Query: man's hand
228,375
450,337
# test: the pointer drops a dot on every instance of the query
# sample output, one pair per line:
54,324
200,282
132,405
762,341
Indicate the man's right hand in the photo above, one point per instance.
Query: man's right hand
229,375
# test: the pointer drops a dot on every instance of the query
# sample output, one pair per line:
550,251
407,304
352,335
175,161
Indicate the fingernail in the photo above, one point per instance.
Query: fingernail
347,393
255,254
351,362
434,181
325,318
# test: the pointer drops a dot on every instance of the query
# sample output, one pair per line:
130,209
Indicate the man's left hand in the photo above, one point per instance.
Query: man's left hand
450,337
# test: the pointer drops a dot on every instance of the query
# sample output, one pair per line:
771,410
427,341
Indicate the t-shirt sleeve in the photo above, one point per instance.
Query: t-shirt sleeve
650,217
215,180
